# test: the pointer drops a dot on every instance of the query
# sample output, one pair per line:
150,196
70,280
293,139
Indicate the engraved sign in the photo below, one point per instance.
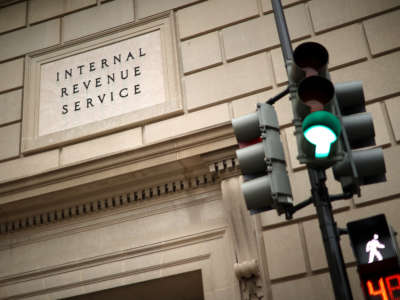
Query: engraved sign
102,83
99,84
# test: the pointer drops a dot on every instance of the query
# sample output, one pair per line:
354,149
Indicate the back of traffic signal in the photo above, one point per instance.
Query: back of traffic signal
262,162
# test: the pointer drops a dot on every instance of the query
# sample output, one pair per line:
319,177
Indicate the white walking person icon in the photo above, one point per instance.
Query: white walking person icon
372,247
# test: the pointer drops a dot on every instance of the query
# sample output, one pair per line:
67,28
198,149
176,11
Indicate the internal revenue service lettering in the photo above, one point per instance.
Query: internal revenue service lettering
109,78
103,82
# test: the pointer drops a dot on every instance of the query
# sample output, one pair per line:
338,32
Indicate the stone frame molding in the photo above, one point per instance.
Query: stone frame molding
197,249
32,142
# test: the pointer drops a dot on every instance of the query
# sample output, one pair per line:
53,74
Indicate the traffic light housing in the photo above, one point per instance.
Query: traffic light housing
317,128
261,158
331,123
358,167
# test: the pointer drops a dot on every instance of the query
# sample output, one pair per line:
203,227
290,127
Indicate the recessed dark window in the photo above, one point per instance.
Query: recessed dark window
185,286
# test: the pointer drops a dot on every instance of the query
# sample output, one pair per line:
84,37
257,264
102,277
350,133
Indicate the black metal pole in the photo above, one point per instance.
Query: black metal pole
283,32
330,235
320,195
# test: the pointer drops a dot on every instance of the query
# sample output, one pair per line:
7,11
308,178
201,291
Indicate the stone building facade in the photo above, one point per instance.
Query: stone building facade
138,196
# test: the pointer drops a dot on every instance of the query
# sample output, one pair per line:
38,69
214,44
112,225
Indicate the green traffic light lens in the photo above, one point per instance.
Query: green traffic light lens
322,129
322,137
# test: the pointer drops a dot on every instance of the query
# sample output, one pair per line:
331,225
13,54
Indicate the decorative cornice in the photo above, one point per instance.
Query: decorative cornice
225,167
117,192
91,172
223,163
58,214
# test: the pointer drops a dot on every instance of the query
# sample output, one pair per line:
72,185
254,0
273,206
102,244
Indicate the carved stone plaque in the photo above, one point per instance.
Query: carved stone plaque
103,83
119,80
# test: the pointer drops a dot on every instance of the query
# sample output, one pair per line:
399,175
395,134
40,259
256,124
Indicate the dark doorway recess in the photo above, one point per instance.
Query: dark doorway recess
185,286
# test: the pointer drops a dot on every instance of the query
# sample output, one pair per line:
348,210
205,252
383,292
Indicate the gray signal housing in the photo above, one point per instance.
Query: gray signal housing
266,183
359,167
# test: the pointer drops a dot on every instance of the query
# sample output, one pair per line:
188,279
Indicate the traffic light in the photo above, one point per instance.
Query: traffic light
358,167
331,122
376,250
317,128
261,158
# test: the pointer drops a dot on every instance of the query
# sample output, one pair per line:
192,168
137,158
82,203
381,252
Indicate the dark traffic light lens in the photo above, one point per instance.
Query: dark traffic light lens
316,91
311,55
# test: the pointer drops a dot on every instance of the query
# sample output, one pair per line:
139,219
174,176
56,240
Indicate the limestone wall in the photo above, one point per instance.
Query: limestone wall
227,59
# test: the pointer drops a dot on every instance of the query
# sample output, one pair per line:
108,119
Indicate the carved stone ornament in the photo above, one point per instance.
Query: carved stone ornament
248,274
247,269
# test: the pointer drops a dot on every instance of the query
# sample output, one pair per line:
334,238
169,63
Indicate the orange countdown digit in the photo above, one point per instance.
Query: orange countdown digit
393,287
380,292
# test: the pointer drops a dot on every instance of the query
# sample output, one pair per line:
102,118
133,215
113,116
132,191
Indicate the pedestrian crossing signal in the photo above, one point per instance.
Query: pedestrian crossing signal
375,248
372,240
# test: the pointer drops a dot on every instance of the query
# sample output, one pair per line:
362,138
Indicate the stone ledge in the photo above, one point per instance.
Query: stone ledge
121,163
123,179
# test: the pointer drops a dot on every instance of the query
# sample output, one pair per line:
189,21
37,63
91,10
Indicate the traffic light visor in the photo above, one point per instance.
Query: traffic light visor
311,57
